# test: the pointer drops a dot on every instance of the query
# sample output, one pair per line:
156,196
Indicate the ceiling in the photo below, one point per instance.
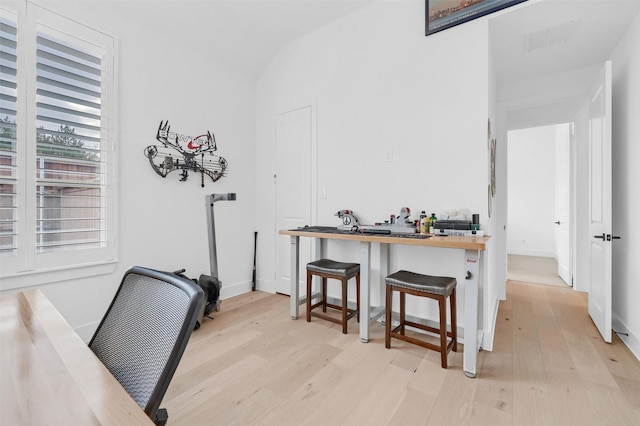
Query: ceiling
246,34
242,34
529,40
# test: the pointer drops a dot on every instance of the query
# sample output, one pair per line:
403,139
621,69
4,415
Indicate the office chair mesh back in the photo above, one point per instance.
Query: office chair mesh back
143,334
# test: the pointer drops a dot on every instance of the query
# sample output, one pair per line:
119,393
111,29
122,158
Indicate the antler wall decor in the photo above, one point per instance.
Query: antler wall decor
197,156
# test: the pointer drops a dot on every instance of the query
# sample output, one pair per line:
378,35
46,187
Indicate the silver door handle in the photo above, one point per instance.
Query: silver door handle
602,237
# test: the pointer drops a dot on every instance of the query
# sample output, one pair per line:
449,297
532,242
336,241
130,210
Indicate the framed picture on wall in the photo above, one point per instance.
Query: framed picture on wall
443,14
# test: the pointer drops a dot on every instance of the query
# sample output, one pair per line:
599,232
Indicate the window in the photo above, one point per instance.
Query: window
57,191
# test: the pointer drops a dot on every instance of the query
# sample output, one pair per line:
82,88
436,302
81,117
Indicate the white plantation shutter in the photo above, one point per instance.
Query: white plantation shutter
70,193
8,158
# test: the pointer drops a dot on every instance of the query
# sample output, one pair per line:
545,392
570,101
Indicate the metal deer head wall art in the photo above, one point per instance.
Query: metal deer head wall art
185,153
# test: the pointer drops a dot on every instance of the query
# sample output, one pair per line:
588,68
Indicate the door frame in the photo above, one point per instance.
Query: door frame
540,109
313,172
535,106
572,189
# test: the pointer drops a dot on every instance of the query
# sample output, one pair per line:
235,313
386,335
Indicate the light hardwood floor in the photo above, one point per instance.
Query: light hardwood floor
254,365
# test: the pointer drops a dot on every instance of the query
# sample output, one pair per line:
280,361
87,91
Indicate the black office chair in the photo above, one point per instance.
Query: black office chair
145,331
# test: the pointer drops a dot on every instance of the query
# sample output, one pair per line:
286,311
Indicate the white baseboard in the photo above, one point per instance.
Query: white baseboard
490,332
236,289
631,340
268,286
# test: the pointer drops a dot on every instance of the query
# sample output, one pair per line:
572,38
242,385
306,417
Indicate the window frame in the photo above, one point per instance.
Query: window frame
27,267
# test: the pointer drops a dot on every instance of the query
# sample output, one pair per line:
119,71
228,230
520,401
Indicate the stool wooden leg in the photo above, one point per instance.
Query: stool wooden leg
324,294
358,296
345,287
454,322
308,296
402,305
443,330
387,318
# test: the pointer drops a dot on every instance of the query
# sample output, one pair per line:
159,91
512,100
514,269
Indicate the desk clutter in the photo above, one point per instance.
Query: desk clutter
357,230
452,222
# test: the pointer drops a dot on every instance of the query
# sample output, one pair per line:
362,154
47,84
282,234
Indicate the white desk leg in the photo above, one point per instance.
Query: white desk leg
472,268
365,290
295,276
318,255
384,271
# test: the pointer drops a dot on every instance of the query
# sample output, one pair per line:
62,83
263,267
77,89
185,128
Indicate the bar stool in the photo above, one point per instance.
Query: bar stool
327,268
437,288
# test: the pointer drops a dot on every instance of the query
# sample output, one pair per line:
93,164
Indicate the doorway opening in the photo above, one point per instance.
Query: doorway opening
540,194
294,187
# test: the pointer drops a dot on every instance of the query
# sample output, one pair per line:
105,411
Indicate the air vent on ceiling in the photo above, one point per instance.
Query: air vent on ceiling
550,36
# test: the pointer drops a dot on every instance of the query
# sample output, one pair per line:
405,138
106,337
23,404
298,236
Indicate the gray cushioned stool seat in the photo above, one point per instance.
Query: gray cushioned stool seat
328,266
438,288
418,282
341,271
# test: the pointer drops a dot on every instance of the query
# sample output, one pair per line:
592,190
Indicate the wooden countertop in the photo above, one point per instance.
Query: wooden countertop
48,375
465,243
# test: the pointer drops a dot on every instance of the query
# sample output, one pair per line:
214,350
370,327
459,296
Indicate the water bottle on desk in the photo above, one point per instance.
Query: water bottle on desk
433,219
423,227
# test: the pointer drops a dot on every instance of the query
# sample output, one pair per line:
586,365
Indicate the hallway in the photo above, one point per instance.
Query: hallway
534,269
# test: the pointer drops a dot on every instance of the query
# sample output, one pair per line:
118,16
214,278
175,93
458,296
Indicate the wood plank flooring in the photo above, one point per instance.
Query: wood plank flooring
253,365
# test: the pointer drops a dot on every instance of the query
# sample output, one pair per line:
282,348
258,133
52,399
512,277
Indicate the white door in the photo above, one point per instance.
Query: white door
293,189
600,223
563,202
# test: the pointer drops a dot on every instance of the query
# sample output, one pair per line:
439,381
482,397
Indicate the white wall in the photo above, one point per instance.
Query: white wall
626,186
531,193
496,253
163,221
377,85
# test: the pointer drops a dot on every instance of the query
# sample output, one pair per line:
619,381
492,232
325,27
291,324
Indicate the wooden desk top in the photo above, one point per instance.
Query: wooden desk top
48,375
465,243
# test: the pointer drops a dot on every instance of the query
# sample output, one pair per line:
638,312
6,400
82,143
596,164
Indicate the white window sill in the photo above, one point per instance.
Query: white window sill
24,280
